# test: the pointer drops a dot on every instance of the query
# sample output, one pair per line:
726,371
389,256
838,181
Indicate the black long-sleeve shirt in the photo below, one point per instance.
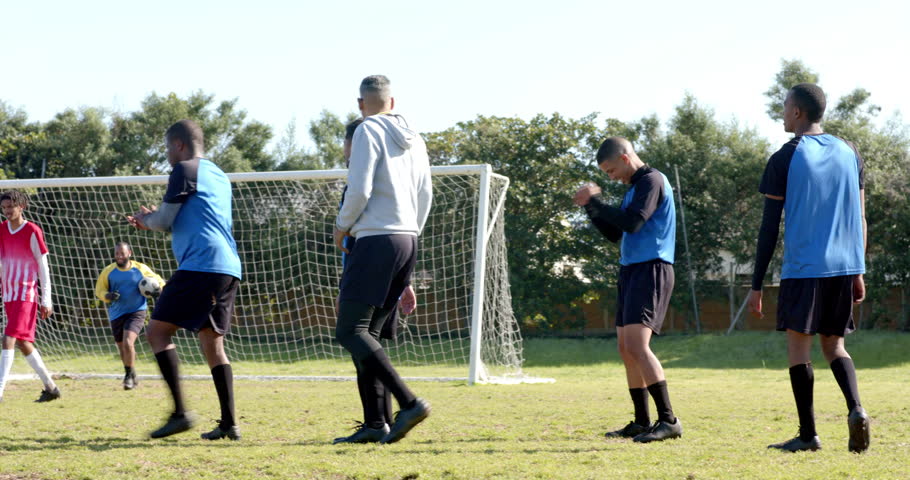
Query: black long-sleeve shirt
613,221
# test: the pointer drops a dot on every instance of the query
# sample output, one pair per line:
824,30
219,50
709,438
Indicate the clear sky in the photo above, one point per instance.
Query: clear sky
449,61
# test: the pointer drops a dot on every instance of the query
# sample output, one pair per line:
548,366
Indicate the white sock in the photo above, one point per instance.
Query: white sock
34,359
6,363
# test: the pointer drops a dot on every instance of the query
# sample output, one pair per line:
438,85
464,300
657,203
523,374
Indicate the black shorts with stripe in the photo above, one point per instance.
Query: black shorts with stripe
816,305
643,294
197,300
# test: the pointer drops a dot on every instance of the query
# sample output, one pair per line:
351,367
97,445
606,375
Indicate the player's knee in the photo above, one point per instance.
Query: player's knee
637,351
625,353
832,347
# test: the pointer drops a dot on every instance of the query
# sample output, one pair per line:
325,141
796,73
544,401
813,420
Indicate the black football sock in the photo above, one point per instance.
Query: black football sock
223,375
640,401
129,370
662,401
168,363
371,397
379,365
802,380
386,404
845,374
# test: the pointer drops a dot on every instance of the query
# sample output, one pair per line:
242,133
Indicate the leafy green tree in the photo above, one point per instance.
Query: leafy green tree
546,158
20,144
327,133
76,143
791,72
232,142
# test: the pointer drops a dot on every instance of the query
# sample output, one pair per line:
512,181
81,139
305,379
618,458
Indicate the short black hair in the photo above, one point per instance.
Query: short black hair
810,98
350,128
188,132
18,199
612,148
124,244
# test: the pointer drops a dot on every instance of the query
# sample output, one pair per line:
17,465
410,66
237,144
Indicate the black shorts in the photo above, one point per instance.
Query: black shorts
816,305
643,294
132,322
377,271
197,300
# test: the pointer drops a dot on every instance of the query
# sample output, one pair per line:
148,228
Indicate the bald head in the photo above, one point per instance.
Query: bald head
376,94
612,148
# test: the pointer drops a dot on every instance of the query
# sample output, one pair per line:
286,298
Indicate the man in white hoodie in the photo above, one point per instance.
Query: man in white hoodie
385,208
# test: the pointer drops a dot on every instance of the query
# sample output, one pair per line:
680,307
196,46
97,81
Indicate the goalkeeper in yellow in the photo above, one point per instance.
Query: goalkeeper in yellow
118,288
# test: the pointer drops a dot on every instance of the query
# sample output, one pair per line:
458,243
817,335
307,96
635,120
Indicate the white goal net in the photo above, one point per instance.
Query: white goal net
284,322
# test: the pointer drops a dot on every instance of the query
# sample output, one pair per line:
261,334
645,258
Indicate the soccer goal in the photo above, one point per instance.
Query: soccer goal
285,320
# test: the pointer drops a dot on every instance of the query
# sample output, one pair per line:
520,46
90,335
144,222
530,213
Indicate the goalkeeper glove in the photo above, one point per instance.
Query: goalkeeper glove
112,296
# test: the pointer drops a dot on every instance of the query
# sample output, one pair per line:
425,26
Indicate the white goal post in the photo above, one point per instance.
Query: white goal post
284,318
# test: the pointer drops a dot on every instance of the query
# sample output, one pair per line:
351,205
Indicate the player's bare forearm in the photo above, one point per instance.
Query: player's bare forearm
339,236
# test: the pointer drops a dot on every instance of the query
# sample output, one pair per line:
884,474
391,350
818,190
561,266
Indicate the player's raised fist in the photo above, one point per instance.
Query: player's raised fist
584,194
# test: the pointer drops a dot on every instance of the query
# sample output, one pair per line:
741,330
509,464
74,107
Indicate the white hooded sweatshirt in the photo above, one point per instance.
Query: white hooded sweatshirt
389,187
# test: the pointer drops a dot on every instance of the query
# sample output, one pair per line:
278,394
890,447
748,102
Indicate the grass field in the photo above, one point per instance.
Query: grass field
732,394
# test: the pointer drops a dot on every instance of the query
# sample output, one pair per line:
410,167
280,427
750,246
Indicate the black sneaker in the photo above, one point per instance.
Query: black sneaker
364,434
129,382
407,419
798,445
629,431
661,430
232,432
858,423
48,395
178,422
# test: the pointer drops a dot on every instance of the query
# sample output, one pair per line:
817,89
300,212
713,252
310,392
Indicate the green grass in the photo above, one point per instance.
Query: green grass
732,394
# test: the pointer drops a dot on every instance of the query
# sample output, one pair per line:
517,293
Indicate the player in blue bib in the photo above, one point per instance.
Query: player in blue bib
118,287
646,223
817,179
200,295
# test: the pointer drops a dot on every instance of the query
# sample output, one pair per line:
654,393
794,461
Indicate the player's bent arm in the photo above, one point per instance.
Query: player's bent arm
626,221
102,285
767,238
612,232
365,153
162,219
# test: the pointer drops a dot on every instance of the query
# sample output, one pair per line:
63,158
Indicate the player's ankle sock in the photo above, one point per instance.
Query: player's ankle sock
662,401
845,374
640,402
223,375
128,370
802,380
6,363
379,365
168,364
37,364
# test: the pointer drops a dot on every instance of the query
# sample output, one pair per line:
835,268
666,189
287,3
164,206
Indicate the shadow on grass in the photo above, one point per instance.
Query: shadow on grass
869,349
97,444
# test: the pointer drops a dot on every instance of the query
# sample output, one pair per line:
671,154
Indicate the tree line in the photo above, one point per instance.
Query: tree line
552,249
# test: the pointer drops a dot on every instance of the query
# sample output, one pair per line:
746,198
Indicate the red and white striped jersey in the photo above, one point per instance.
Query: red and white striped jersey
20,252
